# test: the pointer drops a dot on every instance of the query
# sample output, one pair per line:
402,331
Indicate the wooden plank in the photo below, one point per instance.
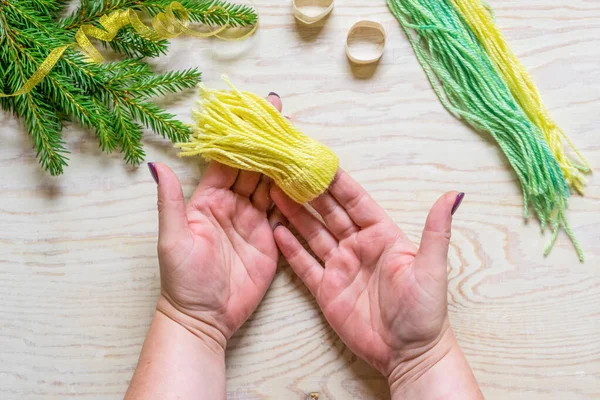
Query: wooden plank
78,256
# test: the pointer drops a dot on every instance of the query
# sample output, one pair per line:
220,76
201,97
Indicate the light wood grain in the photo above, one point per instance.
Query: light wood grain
78,267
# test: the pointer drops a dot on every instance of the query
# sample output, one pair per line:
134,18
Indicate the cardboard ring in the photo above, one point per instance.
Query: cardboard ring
311,19
370,25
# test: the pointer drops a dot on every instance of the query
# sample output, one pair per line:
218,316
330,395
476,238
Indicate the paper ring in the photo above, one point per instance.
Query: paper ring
311,19
371,25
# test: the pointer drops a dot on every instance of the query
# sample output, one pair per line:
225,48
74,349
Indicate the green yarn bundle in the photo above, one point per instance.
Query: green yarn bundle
468,84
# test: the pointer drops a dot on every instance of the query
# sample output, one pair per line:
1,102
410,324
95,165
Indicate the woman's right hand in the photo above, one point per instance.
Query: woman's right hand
385,297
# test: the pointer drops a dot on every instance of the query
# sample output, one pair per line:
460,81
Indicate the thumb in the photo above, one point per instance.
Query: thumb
172,217
436,235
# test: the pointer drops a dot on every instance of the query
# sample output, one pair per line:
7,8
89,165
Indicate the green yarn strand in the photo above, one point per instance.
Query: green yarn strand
470,87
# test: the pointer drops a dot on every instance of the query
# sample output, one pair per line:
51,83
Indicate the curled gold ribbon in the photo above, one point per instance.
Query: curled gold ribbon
165,25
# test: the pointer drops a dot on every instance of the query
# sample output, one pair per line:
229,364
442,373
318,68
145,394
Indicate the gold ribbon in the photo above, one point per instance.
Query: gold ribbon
41,72
165,26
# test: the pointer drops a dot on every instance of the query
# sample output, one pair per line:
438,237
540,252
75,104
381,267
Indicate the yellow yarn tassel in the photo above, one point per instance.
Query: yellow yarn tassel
481,20
245,131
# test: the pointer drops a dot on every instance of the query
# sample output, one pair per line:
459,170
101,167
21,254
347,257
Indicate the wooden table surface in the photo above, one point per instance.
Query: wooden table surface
78,267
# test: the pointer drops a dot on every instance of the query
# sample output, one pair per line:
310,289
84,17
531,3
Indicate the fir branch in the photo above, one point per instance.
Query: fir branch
128,67
126,110
210,12
71,101
89,77
108,98
125,107
40,120
26,13
45,130
129,135
170,82
160,121
124,71
57,88
104,127
131,44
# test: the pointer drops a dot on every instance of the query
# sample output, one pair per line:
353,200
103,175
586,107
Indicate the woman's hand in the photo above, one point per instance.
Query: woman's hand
217,258
384,296
217,253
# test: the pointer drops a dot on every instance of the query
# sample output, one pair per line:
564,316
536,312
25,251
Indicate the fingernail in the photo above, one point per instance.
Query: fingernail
153,172
459,199
277,225
272,94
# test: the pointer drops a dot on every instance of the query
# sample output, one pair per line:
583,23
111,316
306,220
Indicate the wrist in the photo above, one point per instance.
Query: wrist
175,363
203,330
422,359
440,372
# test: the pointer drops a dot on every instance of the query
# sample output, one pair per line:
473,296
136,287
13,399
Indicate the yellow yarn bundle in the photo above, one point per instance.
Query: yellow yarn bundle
245,131
481,21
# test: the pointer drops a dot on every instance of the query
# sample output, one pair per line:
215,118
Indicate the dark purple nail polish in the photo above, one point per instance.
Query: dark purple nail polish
153,172
277,225
273,94
459,199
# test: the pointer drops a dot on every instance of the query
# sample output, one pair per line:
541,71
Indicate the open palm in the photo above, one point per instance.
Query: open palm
384,297
217,254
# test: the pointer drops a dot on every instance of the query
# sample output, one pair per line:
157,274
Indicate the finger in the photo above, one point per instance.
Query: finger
276,218
363,210
312,230
274,99
336,218
436,235
218,176
172,217
303,264
261,199
246,183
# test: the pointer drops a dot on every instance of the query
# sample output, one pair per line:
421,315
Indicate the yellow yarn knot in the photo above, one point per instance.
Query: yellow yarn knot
245,131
